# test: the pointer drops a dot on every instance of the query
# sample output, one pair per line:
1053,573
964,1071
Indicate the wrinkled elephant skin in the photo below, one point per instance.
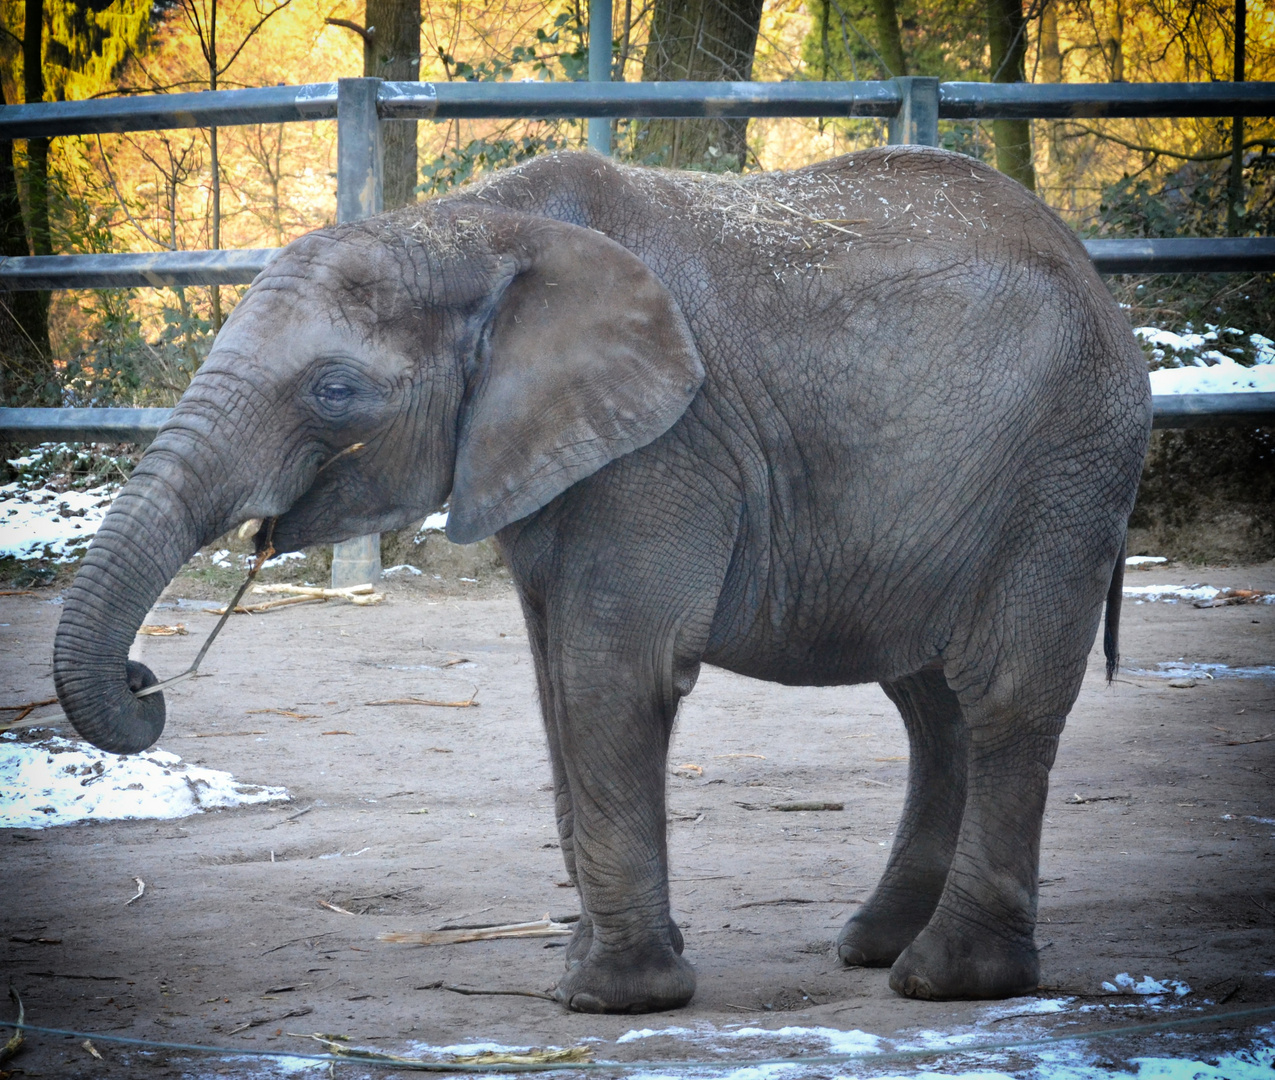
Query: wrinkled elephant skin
873,420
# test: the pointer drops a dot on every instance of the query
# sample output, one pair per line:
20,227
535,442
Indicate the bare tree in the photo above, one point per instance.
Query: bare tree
201,15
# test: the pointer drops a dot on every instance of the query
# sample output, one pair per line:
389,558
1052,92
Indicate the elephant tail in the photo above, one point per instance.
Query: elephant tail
1111,629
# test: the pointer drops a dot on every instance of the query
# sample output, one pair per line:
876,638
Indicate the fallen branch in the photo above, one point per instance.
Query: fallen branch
158,630
141,891
18,592
355,594
269,605
545,927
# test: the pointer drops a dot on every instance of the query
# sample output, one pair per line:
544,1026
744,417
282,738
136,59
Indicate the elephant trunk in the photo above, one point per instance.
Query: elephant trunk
154,525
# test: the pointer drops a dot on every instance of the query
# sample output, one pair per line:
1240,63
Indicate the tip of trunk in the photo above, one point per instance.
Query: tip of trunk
107,712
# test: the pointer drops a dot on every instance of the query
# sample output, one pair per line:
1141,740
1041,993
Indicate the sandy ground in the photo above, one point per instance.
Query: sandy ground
414,817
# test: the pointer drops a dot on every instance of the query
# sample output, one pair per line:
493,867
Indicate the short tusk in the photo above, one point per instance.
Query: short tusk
249,529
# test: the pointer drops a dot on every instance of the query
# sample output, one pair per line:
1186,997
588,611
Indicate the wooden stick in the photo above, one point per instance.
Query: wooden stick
141,891
545,927
469,704
314,590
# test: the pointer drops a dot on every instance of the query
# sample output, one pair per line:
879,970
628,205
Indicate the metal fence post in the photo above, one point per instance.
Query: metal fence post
359,186
600,69
918,119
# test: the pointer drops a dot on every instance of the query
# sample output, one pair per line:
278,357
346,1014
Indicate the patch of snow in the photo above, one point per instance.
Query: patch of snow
401,568
44,524
1145,560
1171,593
650,1033
58,781
1179,669
839,1042
1224,377
435,523
279,560
1126,984
1027,1007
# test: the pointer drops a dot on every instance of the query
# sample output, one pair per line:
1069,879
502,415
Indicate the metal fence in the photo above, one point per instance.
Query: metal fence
912,106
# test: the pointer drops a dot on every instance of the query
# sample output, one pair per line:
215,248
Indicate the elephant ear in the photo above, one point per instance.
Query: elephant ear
586,357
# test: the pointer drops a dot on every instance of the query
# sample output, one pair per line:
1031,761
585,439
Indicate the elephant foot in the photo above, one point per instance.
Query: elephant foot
582,940
625,983
953,959
883,928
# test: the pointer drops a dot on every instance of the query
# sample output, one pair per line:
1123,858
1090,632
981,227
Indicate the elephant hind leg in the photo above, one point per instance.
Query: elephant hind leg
925,842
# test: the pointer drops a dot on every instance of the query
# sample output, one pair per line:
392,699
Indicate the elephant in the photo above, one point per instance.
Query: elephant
872,420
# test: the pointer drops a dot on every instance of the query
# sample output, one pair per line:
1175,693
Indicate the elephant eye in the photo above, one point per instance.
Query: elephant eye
335,393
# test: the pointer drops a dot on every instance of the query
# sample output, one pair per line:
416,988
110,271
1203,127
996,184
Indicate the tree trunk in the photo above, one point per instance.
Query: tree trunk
889,43
710,40
1235,193
1007,42
27,376
37,177
395,53
1051,72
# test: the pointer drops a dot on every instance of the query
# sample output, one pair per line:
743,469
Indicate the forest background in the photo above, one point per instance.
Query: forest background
263,185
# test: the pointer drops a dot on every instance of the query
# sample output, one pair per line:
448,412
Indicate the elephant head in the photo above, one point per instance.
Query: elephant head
488,355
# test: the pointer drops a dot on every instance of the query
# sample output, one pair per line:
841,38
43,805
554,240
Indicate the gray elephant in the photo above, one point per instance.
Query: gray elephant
872,420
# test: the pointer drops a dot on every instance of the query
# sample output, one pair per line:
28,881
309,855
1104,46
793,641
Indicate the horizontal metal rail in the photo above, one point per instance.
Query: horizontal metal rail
545,100
141,425
161,269
181,268
1061,101
1213,410
82,425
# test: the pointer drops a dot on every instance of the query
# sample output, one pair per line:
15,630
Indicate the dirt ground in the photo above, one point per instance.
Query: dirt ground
414,817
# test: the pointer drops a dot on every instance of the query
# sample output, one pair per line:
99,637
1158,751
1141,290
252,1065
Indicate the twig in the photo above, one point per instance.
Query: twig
779,900
16,1039
500,993
346,593
223,734
293,941
156,630
1249,742
469,703
141,891
545,927
257,1021
18,592
24,711
334,907
808,806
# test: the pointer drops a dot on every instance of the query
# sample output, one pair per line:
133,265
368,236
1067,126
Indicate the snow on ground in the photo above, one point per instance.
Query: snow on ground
1183,669
39,523
1192,363
56,781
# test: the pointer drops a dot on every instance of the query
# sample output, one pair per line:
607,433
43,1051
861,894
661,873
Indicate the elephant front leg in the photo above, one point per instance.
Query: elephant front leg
613,727
909,890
